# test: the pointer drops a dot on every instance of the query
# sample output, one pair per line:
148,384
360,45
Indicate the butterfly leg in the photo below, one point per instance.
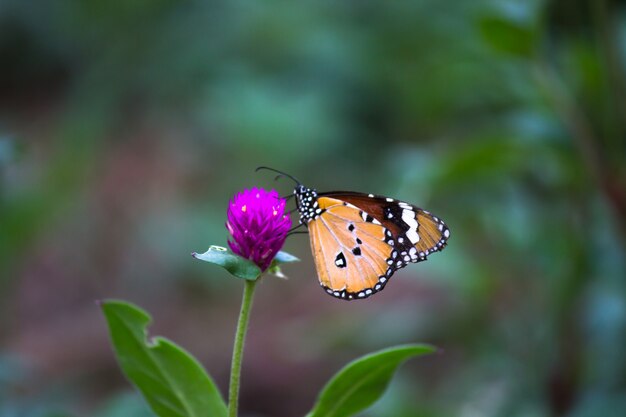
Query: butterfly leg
296,227
302,232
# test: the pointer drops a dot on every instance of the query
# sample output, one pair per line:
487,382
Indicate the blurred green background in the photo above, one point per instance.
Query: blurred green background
126,126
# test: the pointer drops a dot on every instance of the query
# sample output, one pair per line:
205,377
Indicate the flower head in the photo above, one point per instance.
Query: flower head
258,225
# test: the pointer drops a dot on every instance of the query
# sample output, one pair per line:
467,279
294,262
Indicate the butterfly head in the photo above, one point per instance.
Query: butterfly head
306,200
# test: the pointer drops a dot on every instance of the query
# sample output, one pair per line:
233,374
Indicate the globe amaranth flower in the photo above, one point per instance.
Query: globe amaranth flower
258,225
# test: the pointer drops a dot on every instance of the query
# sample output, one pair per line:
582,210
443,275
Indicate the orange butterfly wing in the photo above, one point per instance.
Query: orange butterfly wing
410,226
359,240
352,256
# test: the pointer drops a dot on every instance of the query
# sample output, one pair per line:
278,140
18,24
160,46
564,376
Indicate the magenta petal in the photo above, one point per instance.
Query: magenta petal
258,225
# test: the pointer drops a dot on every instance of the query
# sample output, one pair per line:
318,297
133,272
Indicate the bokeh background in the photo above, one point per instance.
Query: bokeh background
126,126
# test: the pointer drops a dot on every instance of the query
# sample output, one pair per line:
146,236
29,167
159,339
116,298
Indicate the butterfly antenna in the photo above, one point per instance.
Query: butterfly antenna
280,174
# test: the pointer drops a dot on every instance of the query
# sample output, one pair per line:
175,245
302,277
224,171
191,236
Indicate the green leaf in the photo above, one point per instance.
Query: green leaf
506,35
241,267
284,258
363,381
235,264
171,380
281,258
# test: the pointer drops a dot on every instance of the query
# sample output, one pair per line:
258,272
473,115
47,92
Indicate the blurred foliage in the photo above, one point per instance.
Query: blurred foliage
125,127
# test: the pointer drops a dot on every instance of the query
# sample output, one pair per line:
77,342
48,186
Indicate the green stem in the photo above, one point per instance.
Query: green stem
235,368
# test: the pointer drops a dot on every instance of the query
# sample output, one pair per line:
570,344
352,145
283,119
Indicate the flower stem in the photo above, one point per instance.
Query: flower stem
235,368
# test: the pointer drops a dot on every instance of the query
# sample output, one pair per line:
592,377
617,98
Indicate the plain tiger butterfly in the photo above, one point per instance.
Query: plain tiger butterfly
359,240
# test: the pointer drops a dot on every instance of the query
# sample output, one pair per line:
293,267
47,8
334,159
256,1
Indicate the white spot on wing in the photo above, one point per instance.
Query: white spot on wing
408,216
413,236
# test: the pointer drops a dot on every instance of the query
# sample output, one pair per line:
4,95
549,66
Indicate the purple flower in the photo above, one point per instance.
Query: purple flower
258,225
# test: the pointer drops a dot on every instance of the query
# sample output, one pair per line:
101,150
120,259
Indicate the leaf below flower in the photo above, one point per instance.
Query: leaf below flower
235,264
241,267
283,257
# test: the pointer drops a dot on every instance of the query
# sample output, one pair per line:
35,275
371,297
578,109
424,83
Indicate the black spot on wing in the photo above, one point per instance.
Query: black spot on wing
340,260
366,217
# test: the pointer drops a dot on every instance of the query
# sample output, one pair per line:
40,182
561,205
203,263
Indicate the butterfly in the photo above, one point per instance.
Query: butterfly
360,240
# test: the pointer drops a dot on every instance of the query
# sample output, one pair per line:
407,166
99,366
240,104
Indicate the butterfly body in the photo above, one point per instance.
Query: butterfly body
359,240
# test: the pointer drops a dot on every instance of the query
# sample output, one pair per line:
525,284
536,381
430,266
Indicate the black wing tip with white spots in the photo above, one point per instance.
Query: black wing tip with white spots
445,234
